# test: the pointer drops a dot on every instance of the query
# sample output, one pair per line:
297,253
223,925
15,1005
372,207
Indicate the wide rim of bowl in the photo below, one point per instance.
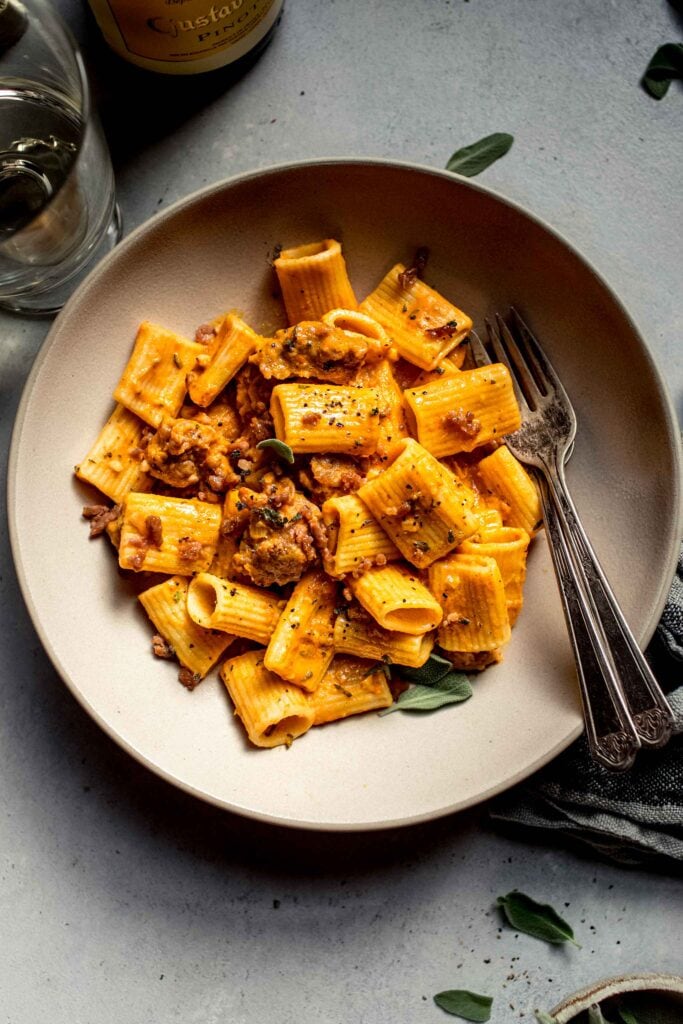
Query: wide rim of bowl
566,1011
119,253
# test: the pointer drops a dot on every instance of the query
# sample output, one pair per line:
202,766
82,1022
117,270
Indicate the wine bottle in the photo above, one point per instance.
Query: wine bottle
184,37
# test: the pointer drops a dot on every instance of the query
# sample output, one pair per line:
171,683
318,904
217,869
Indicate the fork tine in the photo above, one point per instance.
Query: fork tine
540,364
501,355
477,350
517,364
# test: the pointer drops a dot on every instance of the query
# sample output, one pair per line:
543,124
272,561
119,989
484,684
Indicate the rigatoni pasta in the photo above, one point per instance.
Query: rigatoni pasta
196,649
330,502
153,384
302,644
235,342
422,507
232,607
465,411
423,325
311,418
272,711
313,280
355,540
116,462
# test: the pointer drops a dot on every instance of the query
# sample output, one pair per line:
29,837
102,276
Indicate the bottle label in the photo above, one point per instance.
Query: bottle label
185,30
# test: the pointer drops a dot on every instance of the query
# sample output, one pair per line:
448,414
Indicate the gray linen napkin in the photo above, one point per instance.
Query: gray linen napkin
636,817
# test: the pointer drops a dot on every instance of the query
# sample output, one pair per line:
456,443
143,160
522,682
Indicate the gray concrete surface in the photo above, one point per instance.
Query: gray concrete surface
123,901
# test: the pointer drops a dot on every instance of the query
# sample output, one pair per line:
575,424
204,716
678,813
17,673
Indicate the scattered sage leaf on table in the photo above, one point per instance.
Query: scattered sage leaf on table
472,160
468,1005
451,689
537,919
544,1018
665,66
434,668
280,449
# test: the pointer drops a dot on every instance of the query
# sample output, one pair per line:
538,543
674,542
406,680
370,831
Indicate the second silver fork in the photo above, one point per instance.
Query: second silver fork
623,703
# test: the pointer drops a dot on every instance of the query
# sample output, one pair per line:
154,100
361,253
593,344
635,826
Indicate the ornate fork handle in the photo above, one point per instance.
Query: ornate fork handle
610,730
649,708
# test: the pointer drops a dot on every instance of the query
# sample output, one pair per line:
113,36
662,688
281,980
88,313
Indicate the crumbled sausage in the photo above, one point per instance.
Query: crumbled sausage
464,422
189,550
407,277
205,334
282,537
185,452
153,531
161,648
100,516
188,678
329,476
314,349
443,330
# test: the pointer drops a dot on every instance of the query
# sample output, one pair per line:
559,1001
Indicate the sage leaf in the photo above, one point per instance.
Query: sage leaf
627,1017
282,450
595,1015
544,1018
664,67
434,668
472,160
468,1005
537,919
452,689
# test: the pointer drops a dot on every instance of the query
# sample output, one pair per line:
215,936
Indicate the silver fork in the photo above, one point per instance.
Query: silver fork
623,703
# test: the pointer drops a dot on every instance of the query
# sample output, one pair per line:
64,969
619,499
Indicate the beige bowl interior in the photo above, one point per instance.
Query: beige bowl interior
210,253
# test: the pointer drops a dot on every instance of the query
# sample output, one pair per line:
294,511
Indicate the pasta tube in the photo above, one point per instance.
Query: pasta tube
354,538
301,648
326,418
365,639
115,463
508,545
423,326
235,342
464,412
420,504
353,322
236,608
349,688
272,712
392,417
472,595
397,600
177,536
505,476
196,648
153,382
313,280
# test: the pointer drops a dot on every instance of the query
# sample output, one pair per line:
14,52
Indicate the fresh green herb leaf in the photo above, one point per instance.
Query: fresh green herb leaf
272,517
472,160
537,919
452,689
433,669
595,1015
664,67
282,450
628,1017
468,1005
544,1018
